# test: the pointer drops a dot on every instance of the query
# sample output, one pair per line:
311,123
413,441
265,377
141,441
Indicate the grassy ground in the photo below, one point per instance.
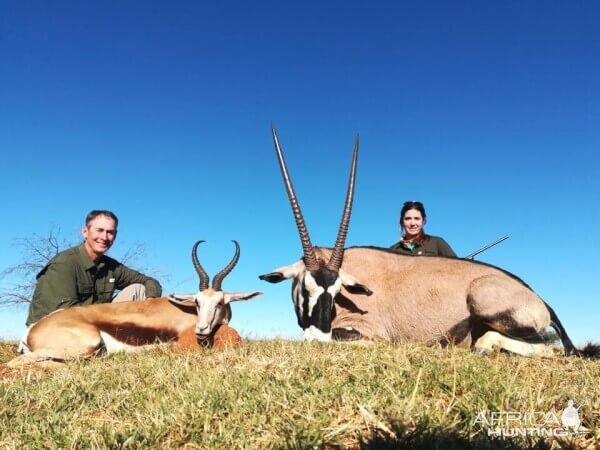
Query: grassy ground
296,395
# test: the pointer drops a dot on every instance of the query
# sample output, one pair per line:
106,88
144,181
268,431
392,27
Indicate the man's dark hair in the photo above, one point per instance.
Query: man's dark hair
101,212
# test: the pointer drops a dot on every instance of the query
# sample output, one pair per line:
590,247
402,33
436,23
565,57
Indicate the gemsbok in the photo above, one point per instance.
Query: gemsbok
376,294
182,321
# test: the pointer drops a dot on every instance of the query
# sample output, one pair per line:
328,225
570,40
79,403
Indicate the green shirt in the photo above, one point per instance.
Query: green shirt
72,279
432,245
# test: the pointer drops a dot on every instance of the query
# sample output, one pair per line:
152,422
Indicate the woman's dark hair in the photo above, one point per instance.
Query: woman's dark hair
100,212
407,206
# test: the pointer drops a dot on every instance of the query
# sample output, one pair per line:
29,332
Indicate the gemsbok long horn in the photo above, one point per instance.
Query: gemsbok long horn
310,260
335,262
218,279
201,272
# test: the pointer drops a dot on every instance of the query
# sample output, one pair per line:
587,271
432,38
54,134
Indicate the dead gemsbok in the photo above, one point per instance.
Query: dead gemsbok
435,300
181,321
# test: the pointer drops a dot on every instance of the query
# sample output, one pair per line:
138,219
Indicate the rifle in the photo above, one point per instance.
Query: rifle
483,249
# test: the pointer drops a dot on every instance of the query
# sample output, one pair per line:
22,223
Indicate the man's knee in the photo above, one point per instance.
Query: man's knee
134,292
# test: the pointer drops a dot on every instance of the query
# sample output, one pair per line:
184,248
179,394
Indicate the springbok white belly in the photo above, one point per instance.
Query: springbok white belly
113,345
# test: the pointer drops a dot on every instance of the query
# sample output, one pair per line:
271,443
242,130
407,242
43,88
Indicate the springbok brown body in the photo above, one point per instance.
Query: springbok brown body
180,321
377,294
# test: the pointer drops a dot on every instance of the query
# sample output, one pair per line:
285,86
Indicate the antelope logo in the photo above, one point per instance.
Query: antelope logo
570,417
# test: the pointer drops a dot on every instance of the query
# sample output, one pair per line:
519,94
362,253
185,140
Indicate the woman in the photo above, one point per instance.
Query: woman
414,240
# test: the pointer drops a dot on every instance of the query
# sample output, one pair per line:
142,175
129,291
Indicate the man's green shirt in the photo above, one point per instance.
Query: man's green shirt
72,279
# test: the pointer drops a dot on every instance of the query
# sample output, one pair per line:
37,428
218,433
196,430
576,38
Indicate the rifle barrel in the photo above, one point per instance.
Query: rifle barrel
483,249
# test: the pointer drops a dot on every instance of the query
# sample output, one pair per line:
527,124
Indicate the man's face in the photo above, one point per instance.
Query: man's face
99,235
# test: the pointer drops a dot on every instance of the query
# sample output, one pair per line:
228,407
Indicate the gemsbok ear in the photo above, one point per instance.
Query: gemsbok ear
273,277
235,296
284,273
352,285
359,289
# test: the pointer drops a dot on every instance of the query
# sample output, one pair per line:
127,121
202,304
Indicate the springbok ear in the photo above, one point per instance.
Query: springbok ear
284,273
352,285
182,299
235,296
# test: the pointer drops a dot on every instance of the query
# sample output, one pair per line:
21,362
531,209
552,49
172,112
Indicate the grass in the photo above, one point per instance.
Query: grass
291,395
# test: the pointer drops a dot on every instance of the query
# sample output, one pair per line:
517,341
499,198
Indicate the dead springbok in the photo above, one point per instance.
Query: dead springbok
181,321
435,300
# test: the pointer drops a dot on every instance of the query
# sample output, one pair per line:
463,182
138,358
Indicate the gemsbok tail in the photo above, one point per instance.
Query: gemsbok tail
590,351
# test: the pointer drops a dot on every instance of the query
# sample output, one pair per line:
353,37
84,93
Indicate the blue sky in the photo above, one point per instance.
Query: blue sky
487,112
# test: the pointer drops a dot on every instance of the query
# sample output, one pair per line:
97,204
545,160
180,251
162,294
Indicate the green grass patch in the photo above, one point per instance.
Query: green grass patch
292,395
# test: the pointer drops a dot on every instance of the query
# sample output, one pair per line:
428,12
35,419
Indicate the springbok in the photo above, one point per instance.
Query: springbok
182,321
423,298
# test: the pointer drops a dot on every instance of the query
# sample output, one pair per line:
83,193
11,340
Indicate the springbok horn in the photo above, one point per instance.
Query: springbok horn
335,262
218,279
201,272
310,260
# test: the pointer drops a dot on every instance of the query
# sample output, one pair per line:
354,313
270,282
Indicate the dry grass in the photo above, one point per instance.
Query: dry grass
280,394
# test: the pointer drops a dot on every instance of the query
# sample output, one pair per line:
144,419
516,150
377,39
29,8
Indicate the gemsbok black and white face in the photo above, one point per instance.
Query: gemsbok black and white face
316,283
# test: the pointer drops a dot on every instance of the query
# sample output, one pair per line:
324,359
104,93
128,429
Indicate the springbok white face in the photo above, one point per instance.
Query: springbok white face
212,308
316,283
212,304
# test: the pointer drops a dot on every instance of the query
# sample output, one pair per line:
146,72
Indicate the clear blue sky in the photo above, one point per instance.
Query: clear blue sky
488,112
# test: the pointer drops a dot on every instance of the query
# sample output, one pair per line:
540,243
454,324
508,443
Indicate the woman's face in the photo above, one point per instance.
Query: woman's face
412,223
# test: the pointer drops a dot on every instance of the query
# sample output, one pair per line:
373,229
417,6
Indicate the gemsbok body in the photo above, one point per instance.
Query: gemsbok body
181,321
377,294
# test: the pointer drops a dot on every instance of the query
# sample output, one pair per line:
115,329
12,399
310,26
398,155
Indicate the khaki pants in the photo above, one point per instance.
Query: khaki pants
134,292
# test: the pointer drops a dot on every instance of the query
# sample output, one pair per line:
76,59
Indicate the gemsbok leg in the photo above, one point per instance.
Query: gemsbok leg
493,341
516,317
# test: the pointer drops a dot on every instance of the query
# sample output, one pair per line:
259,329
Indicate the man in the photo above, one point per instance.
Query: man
84,275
